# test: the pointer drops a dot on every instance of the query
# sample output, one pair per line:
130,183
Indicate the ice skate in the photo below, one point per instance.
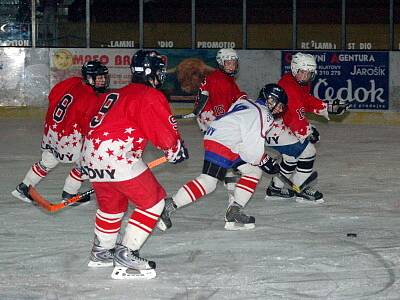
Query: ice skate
237,220
274,192
310,195
84,200
21,192
164,222
101,257
129,265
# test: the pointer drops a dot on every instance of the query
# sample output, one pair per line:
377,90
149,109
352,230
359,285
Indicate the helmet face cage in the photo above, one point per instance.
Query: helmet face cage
227,55
149,65
90,71
306,63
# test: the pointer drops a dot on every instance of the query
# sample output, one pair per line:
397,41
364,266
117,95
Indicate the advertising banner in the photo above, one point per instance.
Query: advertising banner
359,77
65,63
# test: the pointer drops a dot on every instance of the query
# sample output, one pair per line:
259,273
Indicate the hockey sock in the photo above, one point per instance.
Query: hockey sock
195,189
140,225
107,228
305,165
287,167
73,182
35,174
247,184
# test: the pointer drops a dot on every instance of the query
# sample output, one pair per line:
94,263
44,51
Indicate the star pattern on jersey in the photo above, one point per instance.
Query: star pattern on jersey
109,147
62,143
207,117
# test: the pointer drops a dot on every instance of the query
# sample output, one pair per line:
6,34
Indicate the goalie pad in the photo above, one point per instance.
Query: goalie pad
337,107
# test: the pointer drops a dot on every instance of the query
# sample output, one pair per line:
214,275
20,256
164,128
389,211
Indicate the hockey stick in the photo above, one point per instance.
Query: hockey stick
296,188
54,207
187,116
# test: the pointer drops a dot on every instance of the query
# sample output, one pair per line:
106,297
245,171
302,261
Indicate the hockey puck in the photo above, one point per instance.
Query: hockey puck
351,234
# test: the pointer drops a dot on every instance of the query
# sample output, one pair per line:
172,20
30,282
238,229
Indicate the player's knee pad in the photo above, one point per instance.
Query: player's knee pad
76,174
209,183
214,170
48,161
288,165
306,159
250,170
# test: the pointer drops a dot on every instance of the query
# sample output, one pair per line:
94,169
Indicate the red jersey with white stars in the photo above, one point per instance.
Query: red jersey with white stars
71,103
300,101
119,132
223,91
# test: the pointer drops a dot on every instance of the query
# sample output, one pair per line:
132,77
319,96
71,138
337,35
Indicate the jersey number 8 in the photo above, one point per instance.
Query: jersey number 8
62,106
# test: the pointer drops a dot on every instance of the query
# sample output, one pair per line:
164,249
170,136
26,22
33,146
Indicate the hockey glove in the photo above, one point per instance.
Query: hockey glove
269,165
314,136
180,155
337,107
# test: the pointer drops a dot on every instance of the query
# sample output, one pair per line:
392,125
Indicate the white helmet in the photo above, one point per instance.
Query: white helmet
306,62
226,54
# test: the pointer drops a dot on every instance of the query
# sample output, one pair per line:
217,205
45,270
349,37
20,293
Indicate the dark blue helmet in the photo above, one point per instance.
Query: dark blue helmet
149,65
273,96
92,69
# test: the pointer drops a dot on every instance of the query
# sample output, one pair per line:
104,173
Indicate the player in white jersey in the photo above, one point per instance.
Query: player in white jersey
235,140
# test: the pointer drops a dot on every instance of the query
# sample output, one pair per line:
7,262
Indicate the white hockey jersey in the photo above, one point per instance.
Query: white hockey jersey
240,133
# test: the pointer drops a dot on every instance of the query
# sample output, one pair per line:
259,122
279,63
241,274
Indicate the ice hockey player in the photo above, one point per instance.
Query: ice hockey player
295,136
235,140
217,91
112,158
72,103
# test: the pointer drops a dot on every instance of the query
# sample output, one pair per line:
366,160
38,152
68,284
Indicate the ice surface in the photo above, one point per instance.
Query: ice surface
297,251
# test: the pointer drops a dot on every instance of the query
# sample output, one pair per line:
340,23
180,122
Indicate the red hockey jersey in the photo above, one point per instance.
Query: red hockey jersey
300,101
223,91
119,132
71,104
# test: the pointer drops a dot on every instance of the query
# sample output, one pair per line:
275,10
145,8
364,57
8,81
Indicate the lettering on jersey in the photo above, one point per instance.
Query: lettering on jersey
98,173
57,154
210,131
62,107
107,104
172,121
301,113
271,139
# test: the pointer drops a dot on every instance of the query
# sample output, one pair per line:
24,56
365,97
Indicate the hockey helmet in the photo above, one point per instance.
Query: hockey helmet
149,67
306,63
274,97
90,70
228,54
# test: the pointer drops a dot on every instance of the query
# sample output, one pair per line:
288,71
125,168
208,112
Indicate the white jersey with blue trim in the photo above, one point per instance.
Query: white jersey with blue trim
243,129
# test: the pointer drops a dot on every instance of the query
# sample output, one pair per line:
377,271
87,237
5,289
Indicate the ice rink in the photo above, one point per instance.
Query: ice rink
297,251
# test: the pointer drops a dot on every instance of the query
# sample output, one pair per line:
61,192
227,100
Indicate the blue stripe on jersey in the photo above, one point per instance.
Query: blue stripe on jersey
220,160
293,149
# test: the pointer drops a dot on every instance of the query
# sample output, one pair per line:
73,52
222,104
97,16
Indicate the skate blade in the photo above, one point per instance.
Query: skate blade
305,201
20,196
277,198
125,273
233,226
99,264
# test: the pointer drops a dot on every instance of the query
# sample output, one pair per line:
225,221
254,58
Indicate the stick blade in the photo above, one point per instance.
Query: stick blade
39,199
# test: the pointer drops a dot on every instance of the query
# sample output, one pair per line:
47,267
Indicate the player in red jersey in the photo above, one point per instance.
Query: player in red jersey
129,118
218,90
294,137
71,104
